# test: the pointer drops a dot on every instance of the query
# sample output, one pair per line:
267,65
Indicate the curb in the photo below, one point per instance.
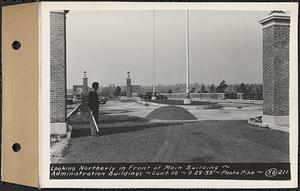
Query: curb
269,126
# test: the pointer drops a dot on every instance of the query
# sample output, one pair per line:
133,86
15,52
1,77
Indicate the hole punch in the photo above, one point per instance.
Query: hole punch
16,45
16,147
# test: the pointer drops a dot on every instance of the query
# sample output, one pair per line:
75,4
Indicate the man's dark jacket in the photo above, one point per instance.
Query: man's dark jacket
94,103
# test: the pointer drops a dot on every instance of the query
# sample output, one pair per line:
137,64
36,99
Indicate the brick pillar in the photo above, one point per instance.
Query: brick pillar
276,28
128,86
84,106
85,83
58,109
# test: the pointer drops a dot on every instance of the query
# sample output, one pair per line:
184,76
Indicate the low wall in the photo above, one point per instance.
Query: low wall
217,97
196,96
246,101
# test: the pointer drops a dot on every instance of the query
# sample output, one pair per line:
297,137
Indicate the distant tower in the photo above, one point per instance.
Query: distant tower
85,84
128,86
84,106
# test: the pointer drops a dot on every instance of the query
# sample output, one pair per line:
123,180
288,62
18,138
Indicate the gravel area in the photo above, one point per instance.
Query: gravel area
58,149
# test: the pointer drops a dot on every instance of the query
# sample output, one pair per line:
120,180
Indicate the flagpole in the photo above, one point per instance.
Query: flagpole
187,99
154,69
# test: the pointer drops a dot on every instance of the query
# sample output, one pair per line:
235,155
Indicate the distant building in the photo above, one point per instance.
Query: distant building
136,88
79,90
111,85
129,88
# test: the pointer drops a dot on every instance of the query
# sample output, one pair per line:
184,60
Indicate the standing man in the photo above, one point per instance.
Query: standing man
94,101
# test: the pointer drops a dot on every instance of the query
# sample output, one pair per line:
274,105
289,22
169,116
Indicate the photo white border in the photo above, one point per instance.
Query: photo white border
45,182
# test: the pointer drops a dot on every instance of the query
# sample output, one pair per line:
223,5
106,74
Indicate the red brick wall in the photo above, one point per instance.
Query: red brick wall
276,70
57,68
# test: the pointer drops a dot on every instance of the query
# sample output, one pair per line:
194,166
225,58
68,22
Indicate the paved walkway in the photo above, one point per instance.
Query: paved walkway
229,112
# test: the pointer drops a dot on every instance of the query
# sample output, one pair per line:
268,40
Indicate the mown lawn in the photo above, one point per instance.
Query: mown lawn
204,141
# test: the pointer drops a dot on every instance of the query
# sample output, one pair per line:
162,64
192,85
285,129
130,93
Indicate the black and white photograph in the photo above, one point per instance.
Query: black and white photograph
170,94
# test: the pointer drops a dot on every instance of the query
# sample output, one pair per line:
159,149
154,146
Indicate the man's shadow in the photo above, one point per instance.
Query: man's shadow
114,124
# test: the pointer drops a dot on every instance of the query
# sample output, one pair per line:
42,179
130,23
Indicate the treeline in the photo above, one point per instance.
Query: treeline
250,91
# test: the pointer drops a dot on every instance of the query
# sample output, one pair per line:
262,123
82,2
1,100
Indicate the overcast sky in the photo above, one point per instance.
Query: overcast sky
224,45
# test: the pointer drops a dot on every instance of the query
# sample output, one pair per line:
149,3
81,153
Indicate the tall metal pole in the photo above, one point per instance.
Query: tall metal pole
187,99
187,51
154,70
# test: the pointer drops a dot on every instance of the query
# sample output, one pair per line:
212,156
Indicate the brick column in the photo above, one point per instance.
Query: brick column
128,86
276,28
85,83
84,106
58,109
